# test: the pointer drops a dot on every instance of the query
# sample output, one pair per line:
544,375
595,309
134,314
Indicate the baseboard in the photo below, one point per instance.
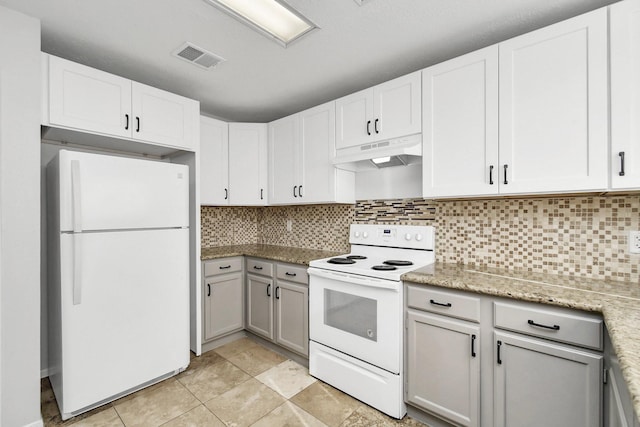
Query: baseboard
44,373
38,423
208,346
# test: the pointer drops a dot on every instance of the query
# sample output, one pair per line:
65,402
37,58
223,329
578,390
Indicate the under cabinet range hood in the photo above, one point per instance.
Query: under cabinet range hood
393,152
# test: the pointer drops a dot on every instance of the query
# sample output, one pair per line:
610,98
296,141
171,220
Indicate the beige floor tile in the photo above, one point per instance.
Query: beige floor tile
235,347
197,417
107,418
289,415
158,406
209,381
288,378
245,404
366,416
206,359
324,402
256,360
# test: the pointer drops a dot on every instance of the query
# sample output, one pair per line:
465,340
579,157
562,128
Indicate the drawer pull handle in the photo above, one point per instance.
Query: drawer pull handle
554,327
499,358
473,345
290,274
269,290
441,304
256,267
224,267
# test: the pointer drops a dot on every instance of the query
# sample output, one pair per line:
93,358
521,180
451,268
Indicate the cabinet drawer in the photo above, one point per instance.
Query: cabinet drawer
444,302
222,266
573,328
292,273
263,268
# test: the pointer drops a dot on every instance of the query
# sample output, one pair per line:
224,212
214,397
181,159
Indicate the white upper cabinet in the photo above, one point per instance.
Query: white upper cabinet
301,148
553,108
88,100
214,162
248,164
389,110
625,94
460,122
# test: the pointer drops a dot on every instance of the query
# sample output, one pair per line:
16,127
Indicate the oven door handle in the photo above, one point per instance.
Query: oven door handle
353,279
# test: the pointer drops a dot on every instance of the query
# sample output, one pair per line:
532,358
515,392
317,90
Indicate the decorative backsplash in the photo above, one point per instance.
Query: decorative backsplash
585,236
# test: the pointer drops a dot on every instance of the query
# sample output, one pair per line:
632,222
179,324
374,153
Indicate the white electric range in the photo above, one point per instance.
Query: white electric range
355,312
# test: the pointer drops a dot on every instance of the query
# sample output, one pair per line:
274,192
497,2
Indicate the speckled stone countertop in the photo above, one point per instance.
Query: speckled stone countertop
619,302
275,253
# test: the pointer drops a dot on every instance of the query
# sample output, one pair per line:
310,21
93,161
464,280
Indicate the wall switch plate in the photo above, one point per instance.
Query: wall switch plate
634,242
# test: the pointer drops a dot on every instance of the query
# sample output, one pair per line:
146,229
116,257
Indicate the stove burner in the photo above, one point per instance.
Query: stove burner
399,263
356,257
341,261
383,267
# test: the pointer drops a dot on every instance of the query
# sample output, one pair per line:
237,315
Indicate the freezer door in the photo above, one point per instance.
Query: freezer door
99,192
131,324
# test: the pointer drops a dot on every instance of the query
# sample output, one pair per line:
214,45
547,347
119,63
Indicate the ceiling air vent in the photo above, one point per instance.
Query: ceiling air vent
197,56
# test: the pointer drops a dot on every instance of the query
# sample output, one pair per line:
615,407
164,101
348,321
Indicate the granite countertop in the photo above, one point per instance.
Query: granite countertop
619,302
275,253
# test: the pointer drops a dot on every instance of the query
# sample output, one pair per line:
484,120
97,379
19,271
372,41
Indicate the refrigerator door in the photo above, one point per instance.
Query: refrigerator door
132,322
99,192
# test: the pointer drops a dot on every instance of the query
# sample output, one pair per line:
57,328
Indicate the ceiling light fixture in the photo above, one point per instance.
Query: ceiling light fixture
272,18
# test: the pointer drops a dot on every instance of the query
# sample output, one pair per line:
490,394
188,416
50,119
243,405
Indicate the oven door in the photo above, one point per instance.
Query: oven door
357,315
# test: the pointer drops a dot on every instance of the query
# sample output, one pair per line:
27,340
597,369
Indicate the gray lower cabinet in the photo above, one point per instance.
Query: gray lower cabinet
618,405
223,298
278,303
443,367
538,383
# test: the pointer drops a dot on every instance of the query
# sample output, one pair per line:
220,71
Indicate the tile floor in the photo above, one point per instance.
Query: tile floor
239,384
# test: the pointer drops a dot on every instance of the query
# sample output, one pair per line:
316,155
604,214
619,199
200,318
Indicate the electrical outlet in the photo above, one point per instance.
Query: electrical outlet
634,242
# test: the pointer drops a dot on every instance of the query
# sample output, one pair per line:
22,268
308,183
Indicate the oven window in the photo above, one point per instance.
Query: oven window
351,313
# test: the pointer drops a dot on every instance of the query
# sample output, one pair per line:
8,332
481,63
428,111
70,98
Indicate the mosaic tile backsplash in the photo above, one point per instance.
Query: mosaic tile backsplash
585,236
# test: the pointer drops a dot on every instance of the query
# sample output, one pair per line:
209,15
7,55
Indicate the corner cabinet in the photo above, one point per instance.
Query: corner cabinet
278,304
625,94
247,164
214,162
386,111
301,149
223,297
535,113
88,100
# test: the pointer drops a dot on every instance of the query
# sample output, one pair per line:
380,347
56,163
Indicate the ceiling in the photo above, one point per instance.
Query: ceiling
356,46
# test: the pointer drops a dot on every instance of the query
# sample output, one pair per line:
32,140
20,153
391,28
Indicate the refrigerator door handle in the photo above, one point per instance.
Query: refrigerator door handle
75,188
77,276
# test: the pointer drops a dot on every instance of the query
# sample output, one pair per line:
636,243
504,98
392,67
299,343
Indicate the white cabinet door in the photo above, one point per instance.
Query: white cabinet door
84,98
214,162
354,119
223,305
320,178
553,107
537,383
284,163
247,164
292,316
163,117
460,126
397,107
625,94
443,367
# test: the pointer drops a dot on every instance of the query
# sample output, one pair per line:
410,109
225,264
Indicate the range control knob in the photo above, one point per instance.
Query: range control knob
365,234
418,237
407,236
356,234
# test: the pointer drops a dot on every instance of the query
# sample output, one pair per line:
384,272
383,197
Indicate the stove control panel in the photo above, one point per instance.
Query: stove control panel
397,236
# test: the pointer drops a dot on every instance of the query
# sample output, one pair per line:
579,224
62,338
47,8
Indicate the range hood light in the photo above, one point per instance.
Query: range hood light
385,162
272,18
381,160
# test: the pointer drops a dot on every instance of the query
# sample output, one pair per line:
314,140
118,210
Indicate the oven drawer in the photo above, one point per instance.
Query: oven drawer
447,303
292,273
222,266
581,329
263,268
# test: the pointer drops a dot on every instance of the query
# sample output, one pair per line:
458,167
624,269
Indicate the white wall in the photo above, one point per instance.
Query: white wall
19,220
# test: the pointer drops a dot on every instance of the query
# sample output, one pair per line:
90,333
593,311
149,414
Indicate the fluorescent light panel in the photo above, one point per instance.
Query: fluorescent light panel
273,18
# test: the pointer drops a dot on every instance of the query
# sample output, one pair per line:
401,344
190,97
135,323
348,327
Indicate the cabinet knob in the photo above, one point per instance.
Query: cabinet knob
407,236
418,237
365,234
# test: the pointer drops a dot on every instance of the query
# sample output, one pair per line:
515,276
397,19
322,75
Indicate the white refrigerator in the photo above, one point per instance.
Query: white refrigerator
118,276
